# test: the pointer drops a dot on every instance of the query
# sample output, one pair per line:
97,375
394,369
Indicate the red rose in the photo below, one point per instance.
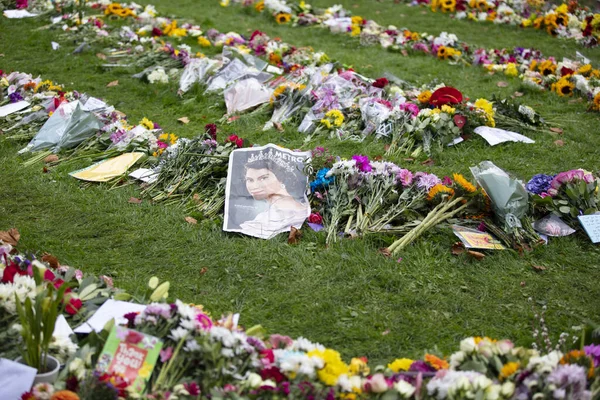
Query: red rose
315,218
156,32
74,305
232,138
239,142
381,83
272,373
445,95
268,354
49,275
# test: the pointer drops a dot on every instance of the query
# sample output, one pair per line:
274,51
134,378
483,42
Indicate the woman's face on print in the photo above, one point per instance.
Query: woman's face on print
262,183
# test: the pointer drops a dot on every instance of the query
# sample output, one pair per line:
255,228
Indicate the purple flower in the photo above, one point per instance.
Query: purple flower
14,97
539,184
362,163
571,378
166,354
593,350
426,181
421,366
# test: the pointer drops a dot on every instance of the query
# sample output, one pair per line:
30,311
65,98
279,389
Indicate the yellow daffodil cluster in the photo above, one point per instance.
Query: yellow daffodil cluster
333,119
172,30
203,41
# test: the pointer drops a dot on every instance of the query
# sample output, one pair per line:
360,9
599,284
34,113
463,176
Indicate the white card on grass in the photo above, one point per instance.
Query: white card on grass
495,136
591,224
13,107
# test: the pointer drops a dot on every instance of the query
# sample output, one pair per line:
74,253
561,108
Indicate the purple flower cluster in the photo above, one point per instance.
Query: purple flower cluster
426,181
593,350
539,184
569,378
14,97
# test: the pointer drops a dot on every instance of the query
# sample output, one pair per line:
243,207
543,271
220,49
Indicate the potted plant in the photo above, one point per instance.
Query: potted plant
37,319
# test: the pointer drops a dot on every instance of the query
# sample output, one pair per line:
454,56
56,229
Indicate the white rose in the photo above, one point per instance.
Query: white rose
404,388
467,345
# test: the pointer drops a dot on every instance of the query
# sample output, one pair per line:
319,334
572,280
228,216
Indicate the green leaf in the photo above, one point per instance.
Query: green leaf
564,209
474,366
89,289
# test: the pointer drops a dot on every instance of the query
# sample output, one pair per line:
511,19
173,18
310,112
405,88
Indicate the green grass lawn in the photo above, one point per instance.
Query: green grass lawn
347,296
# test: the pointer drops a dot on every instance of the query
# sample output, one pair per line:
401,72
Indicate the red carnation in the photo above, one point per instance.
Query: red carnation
315,218
459,120
445,95
272,373
156,32
381,83
74,305
268,354
564,71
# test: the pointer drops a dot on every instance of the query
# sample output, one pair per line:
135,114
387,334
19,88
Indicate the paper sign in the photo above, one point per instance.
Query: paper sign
55,46
15,378
13,107
130,354
474,239
105,170
495,136
456,141
107,311
144,175
591,224
12,14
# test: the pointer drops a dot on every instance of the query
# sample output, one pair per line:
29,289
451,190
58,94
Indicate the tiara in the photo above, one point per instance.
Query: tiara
276,157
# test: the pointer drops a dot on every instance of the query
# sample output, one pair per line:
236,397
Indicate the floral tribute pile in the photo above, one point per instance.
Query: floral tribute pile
566,20
565,78
214,358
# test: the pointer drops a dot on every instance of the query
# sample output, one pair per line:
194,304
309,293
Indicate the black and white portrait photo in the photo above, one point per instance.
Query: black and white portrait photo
266,191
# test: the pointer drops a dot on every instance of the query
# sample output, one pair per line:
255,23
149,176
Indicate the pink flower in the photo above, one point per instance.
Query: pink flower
204,321
315,218
405,177
447,181
192,388
376,384
22,4
409,107
166,354
280,341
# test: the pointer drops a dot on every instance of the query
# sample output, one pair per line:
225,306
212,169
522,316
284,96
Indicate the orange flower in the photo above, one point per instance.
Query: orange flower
436,362
64,395
441,190
464,183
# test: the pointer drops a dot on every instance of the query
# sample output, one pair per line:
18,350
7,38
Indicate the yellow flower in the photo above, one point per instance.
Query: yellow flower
441,190
461,181
511,69
283,18
448,5
355,30
488,109
442,52
356,20
336,115
260,6
224,3
564,87
547,67
200,55
508,369
359,366
526,22
333,368
400,364
424,97
585,69
326,123
146,123
448,110
562,9
596,103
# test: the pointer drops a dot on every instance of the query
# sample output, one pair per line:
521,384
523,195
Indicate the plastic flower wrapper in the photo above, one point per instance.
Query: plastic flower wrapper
288,99
239,65
196,71
374,112
509,202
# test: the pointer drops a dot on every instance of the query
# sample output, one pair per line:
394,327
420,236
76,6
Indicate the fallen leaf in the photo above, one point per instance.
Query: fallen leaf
518,94
190,220
51,260
559,143
539,268
51,158
502,84
278,126
404,53
386,332
203,270
557,130
134,200
457,248
385,252
476,255
522,283
429,162
184,120
10,236
424,12
101,56
295,235
45,170
386,147
377,158
2,55
113,83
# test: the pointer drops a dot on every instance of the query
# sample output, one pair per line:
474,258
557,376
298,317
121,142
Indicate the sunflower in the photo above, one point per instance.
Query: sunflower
537,23
547,67
464,184
283,18
441,190
533,65
424,97
585,69
112,8
563,87
260,6
448,5
443,53
596,102
146,123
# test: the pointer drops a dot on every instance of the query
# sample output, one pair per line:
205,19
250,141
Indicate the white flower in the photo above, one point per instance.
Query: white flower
468,345
191,345
158,75
185,310
254,380
508,388
404,388
457,358
178,333
227,353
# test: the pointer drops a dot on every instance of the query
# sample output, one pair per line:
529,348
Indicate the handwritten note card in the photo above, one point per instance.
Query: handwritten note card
591,224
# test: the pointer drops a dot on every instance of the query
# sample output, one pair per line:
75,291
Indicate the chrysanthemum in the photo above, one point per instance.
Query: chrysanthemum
461,181
283,18
441,190
509,369
424,97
